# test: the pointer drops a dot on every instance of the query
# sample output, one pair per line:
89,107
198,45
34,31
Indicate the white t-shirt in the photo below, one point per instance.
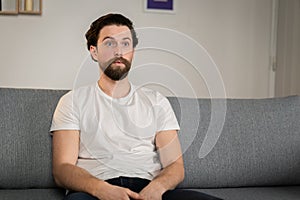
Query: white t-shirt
117,136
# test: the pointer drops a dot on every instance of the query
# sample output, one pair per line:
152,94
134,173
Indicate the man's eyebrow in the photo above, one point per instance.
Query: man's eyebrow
127,38
109,37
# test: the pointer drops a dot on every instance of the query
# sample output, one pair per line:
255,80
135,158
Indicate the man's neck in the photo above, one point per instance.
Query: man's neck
115,89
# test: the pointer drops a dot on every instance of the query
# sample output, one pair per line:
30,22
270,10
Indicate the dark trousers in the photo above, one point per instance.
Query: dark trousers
137,184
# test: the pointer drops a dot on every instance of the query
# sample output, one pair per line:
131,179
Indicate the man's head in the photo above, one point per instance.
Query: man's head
111,40
92,34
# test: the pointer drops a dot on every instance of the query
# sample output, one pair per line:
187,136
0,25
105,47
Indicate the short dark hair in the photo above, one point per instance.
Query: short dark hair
92,35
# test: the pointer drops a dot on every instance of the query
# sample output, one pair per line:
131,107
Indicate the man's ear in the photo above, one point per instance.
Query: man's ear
94,53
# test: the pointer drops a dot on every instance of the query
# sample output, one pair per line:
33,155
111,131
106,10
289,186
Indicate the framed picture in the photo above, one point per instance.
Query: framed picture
161,6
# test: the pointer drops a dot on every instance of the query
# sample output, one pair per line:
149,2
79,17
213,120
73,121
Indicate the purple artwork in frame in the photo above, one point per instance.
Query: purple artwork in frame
160,5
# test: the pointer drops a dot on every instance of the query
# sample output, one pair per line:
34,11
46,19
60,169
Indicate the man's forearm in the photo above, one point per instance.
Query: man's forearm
168,179
75,178
170,176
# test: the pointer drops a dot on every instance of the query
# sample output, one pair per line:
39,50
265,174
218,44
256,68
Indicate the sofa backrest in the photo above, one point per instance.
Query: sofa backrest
25,142
259,144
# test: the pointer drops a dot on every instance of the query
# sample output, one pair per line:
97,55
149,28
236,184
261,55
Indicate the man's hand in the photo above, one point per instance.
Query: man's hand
153,191
112,192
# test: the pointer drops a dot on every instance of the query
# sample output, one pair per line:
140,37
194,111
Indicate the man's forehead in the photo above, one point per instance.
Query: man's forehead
115,31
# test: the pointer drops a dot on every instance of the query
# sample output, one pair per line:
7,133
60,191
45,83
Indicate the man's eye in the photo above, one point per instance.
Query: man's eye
109,44
126,44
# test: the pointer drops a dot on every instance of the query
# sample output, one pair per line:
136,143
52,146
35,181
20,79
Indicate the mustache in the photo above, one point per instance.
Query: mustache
119,59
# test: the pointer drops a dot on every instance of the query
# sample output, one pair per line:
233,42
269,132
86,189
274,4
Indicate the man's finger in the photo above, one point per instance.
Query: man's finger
133,195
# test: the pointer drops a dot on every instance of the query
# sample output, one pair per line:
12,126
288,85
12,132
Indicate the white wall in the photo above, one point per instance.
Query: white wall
49,51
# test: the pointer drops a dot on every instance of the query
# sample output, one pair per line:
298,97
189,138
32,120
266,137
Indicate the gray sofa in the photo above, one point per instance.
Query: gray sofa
255,156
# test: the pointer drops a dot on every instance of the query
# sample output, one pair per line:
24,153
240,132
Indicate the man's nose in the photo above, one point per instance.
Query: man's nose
118,51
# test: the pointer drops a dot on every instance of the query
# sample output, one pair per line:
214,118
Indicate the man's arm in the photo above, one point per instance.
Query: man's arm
172,174
68,175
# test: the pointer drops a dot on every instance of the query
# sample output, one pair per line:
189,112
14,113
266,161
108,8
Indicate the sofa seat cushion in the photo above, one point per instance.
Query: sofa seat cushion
32,194
257,193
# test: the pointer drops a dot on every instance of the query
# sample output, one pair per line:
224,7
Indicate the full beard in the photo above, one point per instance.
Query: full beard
116,73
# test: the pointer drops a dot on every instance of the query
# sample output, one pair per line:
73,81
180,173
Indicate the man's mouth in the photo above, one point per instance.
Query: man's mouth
118,62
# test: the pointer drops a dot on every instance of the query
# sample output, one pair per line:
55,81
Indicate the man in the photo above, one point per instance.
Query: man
113,140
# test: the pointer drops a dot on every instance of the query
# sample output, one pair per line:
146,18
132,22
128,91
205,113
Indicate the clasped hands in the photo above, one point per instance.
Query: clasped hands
150,192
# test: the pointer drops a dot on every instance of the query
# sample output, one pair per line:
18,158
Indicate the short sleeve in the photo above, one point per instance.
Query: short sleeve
66,116
166,119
